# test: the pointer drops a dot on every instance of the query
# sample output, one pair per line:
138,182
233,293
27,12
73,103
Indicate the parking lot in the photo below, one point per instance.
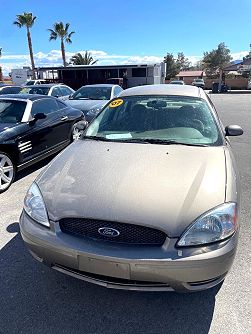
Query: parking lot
36,299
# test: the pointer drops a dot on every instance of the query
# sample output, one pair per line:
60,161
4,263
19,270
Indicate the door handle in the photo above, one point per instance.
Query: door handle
64,118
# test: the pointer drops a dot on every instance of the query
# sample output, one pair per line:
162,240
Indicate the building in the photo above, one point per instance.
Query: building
189,76
77,76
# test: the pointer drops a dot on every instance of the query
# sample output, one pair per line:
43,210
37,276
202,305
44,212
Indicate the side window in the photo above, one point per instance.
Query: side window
65,91
117,91
56,92
61,105
46,106
11,90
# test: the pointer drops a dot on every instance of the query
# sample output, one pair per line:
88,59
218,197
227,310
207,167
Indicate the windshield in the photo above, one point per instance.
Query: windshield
35,90
176,82
186,120
93,93
30,83
199,80
11,111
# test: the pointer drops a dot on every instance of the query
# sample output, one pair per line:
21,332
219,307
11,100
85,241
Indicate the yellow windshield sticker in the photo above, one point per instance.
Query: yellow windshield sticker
116,103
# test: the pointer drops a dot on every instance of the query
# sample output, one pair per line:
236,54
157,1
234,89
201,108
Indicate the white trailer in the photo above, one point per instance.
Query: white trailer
19,76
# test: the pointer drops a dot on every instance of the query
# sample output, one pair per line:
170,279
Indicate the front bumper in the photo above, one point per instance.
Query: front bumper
129,267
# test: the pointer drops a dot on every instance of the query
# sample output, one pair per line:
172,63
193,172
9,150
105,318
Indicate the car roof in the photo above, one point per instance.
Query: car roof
4,86
44,85
25,97
100,85
164,89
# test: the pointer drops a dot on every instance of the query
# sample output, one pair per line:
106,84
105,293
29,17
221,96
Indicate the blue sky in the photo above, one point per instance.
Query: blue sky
126,31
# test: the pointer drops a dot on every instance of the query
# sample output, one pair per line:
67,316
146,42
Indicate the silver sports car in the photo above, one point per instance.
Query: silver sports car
147,199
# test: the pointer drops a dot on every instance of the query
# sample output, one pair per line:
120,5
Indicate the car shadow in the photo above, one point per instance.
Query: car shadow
36,299
29,170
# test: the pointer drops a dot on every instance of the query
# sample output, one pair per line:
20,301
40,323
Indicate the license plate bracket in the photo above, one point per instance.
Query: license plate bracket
104,268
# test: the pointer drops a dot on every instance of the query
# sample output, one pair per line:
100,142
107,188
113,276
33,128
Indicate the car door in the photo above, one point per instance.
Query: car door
45,134
66,92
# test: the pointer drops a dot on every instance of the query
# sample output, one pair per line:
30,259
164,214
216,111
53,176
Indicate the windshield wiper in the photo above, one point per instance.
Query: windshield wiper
96,138
142,140
159,141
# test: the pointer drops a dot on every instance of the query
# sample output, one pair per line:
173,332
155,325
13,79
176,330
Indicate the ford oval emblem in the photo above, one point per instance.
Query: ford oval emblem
108,232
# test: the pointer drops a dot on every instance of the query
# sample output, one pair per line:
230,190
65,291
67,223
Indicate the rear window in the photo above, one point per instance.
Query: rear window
10,90
36,90
11,111
186,120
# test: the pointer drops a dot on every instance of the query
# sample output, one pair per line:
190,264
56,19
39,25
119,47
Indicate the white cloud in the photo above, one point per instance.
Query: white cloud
54,58
239,55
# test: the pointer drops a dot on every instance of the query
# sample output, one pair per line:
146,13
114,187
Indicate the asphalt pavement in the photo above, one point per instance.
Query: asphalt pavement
36,299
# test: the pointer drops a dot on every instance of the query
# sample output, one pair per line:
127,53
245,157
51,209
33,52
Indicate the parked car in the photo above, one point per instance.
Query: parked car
177,82
35,82
10,89
57,90
199,83
92,98
32,128
148,199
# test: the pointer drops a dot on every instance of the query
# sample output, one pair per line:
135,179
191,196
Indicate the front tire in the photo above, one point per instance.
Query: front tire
7,171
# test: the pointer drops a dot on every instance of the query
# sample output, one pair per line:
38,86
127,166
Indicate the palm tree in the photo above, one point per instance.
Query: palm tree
60,31
27,20
86,59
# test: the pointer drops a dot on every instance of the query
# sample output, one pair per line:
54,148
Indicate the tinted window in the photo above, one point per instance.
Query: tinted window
35,90
56,92
139,72
65,91
30,83
186,120
93,93
11,111
10,90
46,106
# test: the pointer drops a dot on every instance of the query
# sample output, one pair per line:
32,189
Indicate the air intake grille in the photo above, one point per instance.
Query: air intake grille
127,233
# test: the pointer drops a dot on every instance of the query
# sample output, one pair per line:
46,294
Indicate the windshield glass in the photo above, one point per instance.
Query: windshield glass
199,80
35,90
186,120
11,111
30,83
93,93
176,82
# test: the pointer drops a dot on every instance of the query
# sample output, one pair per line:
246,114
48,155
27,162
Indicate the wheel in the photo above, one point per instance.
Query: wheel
76,133
7,171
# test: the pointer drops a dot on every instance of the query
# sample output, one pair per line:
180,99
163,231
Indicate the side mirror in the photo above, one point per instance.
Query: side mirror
233,130
81,125
36,117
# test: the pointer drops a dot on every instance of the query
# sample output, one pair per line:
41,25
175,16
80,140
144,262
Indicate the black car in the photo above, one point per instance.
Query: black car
33,127
10,89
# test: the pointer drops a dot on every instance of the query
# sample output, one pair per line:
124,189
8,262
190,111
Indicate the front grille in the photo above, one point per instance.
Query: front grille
128,233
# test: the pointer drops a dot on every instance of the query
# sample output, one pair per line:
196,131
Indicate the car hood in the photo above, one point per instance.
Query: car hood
166,187
86,105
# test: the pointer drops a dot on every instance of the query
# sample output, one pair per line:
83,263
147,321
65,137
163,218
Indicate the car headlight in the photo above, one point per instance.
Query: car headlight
34,205
215,225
